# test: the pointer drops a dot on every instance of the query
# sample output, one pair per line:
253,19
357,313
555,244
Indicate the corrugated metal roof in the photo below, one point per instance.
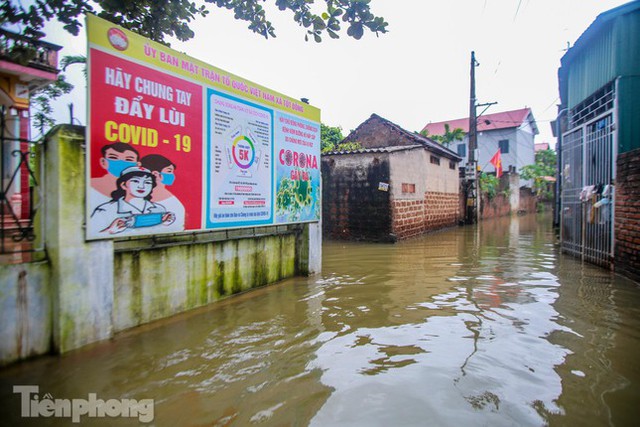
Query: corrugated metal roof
598,25
376,150
607,49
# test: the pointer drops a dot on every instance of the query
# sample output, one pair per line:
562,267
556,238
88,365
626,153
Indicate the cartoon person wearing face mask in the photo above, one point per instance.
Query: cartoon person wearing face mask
115,158
164,171
130,208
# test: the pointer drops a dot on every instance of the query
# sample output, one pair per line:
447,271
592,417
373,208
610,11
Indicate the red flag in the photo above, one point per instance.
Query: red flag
496,161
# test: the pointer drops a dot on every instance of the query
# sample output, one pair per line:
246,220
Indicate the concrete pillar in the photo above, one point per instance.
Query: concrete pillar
309,249
514,194
315,248
81,272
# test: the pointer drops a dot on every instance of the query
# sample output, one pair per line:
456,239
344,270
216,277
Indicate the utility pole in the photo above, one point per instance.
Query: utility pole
471,172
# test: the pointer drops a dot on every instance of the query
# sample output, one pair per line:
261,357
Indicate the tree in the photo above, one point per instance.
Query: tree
330,137
41,102
544,166
42,98
158,19
449,135
72,60
489,185
331,140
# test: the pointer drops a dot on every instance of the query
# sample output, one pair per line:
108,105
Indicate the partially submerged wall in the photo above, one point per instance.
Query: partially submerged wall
510,199
494,207
354,206
388,194
87,290
424,191
25,311
157,282
627,215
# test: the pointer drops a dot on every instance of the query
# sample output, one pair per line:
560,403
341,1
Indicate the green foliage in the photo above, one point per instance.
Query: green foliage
343,146
69,60
41,103
549,159
449,135
331,140
42,98
489,185
545,165
349,146
330,137
159,19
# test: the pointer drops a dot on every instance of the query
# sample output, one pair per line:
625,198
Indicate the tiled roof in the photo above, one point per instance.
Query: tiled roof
416,138
486,122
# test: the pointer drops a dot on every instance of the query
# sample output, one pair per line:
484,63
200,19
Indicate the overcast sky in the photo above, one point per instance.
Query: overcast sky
415,74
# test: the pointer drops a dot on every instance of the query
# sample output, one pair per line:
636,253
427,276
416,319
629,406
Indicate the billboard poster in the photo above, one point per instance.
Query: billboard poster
240,166
298,169
177,145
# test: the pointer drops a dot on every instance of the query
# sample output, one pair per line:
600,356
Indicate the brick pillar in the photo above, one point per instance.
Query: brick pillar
627,215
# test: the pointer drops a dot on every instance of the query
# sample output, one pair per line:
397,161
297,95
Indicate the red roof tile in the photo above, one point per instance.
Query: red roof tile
503,120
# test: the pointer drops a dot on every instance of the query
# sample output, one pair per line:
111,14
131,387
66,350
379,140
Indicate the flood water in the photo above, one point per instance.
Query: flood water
465,327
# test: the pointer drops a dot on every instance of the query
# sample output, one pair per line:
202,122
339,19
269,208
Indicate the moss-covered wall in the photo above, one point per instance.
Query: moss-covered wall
155,283
87,290
25,311
81,272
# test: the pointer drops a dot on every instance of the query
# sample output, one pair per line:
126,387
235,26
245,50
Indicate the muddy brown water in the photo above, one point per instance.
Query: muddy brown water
464,327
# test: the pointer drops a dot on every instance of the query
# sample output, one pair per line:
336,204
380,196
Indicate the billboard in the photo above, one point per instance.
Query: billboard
177,145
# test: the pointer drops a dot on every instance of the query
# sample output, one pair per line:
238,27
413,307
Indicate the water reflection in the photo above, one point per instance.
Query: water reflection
468,326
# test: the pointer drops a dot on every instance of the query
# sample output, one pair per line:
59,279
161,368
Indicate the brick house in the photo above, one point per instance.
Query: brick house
398,186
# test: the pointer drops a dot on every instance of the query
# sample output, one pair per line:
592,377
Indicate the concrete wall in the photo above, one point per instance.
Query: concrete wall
627,215
86,291
25,311
81,272
155,283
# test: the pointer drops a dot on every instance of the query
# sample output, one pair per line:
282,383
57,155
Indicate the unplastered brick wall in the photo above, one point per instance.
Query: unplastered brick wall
495,207
627,215
408,218
413,217
441,210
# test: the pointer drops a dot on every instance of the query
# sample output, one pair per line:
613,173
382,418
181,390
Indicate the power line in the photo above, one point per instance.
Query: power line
517,10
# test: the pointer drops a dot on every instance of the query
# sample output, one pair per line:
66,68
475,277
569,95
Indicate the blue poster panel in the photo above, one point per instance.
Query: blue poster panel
298,169
240,167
